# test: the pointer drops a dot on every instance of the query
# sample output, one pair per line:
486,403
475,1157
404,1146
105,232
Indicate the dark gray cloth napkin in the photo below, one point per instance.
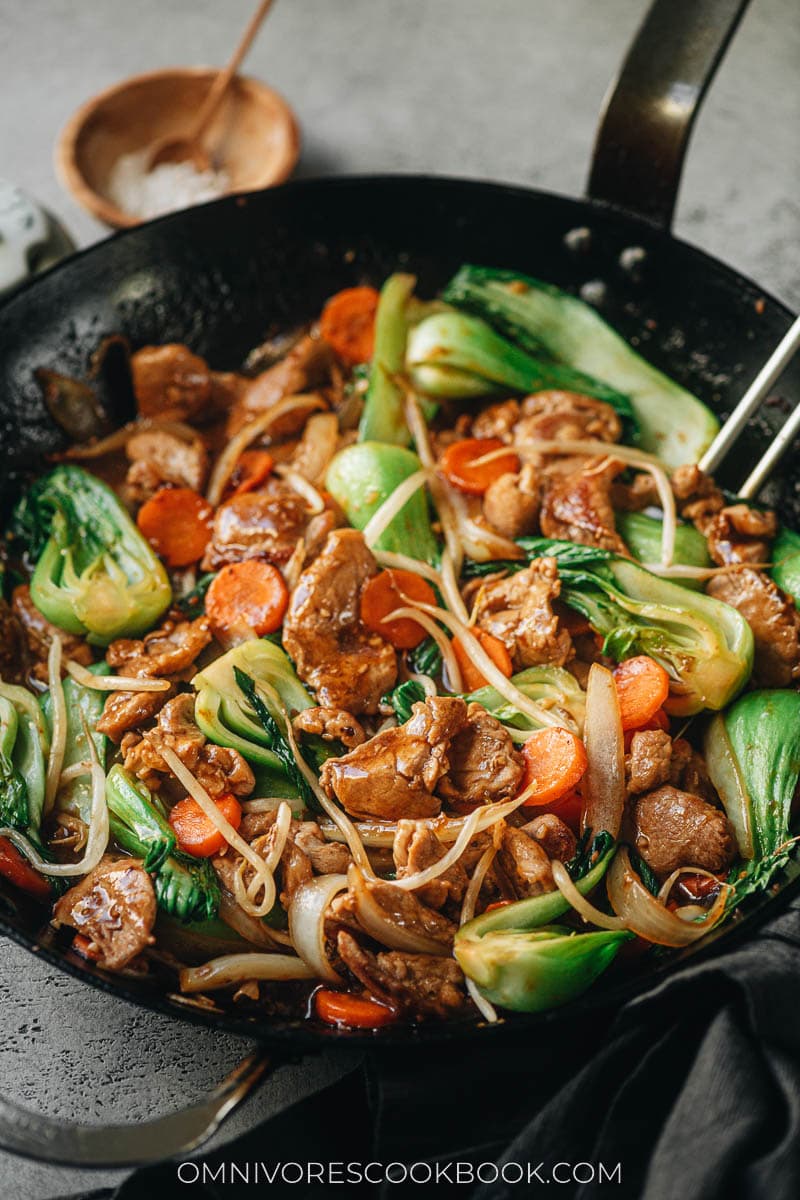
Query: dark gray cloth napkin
693,1088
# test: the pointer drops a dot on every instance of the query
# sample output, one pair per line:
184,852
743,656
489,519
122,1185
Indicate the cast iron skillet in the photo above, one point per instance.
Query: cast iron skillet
221,276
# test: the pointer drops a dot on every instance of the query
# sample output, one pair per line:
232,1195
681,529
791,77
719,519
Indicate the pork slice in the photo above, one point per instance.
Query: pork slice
158,458
347,666
305,367
395,774
171,381
576,507
416,847
676,829
519,611
114,907
511,503
774,620
421,984
262,524
556,839
524,864
485,768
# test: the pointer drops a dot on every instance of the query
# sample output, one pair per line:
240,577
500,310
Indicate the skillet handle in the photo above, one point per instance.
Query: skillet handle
649,110
48,1139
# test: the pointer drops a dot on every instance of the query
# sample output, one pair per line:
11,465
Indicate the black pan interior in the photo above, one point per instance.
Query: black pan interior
223,276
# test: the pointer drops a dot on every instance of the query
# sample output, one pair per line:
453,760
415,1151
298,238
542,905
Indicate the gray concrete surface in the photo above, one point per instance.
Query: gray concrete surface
508,89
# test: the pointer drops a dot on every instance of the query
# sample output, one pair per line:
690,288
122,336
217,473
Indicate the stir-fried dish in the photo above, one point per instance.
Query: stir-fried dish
414,671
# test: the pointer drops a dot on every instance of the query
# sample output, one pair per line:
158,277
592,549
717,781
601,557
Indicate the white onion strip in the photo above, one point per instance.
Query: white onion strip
603,786
411,612
379,924
643,914
248,433
488,669
238,968
393,505
409,883
307,922
217,818
590,914
58,741
114,683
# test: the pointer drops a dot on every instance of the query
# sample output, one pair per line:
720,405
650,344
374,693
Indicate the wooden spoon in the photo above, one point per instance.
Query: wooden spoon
190,148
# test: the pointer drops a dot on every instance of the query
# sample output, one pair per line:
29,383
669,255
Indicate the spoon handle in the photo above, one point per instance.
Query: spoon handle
222,81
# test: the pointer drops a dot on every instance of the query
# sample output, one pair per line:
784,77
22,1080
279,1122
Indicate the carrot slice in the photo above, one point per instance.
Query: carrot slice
461,464
17,870
250,595
347,324
196,833
555,760
86,948
642,687
252,468
341,1008
568,808
470,675
387,591
177,524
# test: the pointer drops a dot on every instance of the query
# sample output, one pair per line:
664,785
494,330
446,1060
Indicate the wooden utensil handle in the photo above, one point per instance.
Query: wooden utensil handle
222,82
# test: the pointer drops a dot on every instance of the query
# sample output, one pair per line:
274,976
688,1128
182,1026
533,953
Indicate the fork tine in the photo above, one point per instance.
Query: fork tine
772,370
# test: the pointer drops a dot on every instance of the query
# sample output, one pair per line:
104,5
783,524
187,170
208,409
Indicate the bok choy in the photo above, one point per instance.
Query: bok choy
95,574
546,321
383,419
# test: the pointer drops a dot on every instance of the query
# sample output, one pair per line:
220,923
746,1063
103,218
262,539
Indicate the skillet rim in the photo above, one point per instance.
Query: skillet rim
300,1035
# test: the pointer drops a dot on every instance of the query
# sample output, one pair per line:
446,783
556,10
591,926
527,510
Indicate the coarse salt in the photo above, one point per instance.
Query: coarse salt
168,187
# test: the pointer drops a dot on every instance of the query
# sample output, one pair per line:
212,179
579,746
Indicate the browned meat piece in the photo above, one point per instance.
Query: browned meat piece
566,416
420,984
518,610
511,503
318,529
114,907
394,774
218,768
688,771
649,762
699,499
556,839
346,665
264,524
676,829
166,653
305,367
401,908
13,645
258,830
416,847
497,421
39,634
524,864
739,534
774,620
640,493
577,508
327,858
170,381
157,458
484,766
331,724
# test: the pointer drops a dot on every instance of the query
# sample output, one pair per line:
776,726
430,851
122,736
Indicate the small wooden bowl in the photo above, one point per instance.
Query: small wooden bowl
254,137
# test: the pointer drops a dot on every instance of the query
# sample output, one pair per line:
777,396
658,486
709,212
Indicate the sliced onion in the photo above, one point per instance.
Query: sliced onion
262,805
114,683
317,446
603,785
299,484
379,925
307,912
393,505
263,876
412,612
236,968
409,883
58,741
642,913
121,437
248,433
581,905
479,543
